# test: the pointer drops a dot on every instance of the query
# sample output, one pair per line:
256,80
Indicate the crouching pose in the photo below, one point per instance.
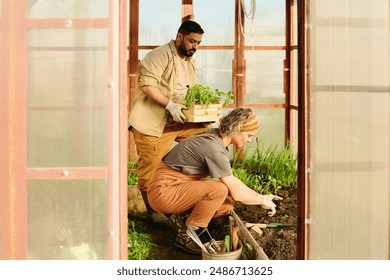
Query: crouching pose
177,184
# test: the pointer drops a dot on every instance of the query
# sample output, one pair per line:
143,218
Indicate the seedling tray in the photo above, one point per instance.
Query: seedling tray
199,113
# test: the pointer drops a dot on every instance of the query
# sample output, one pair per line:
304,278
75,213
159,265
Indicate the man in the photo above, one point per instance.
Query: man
156,119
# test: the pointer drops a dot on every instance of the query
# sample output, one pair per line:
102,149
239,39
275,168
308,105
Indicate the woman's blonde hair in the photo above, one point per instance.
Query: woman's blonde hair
238,120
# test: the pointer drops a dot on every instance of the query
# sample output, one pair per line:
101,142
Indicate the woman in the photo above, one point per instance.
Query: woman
177,184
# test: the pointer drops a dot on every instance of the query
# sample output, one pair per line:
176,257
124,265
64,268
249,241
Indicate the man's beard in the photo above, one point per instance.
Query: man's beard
185,52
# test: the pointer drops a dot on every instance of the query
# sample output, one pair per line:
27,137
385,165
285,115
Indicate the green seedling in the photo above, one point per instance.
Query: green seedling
205,95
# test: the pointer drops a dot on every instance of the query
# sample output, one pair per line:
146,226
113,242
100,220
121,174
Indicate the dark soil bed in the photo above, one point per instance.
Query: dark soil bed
277,243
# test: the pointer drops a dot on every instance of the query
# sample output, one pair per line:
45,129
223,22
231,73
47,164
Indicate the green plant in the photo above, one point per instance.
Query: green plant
204,95
132,174
267,170
139,243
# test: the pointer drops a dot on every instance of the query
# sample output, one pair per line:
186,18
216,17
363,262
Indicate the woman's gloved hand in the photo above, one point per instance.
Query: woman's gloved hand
268,203
175,110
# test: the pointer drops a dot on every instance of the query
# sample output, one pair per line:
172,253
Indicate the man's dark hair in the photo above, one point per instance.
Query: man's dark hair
190,26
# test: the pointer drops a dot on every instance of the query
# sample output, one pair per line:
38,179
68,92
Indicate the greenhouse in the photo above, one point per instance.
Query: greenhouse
315,74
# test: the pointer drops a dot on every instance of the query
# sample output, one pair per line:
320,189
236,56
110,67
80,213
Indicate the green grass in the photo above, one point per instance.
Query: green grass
139,242
267,169
132,174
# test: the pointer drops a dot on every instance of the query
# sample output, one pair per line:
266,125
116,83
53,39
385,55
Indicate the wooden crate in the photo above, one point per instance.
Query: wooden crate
199,113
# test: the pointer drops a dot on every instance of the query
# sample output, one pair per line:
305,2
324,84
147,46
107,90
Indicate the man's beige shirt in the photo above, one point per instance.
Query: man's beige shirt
160,69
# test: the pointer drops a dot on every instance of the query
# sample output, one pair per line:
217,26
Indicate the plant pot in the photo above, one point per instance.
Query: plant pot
135,203
199,113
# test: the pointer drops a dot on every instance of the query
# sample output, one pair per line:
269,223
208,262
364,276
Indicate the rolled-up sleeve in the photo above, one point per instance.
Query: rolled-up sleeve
152,68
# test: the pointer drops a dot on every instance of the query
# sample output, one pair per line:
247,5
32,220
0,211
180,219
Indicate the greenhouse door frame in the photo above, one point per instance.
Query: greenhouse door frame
13,139
295,18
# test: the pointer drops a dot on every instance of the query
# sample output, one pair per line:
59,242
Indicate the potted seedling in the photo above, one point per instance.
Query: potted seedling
205,104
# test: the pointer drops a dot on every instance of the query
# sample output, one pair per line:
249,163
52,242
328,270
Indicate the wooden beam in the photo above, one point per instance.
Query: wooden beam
187,10
247,238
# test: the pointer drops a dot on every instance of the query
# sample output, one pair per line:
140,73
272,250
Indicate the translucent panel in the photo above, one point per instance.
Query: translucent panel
67,9
268,25
218,26
62,120
349,130
60,138
343,9
214,69
79,84
347,59
67,219
142,54
349,156
271,132
166,15
264,80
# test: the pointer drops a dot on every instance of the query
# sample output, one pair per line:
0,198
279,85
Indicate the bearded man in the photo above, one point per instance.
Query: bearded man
156,119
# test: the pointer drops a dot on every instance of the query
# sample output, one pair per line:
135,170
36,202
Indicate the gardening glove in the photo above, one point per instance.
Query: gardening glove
268,203
175,110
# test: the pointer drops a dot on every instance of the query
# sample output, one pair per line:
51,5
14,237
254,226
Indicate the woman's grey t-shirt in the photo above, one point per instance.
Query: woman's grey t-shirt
203,153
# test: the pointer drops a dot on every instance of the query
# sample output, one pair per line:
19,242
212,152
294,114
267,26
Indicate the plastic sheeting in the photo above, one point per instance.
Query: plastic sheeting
349,129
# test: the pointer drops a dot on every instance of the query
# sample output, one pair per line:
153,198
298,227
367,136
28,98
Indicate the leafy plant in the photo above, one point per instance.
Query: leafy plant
139,243
267,170
132,174
205,95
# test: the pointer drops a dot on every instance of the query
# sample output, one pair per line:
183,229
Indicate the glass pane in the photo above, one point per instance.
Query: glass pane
349,130
59,138
67,108
166,15
142,54
67,219
214,69
268,25
264,80
67,9
271,130
218,26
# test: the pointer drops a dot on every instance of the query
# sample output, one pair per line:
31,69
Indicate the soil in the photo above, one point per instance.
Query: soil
277,243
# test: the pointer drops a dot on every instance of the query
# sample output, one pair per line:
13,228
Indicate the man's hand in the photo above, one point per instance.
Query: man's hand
268,204
175,110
